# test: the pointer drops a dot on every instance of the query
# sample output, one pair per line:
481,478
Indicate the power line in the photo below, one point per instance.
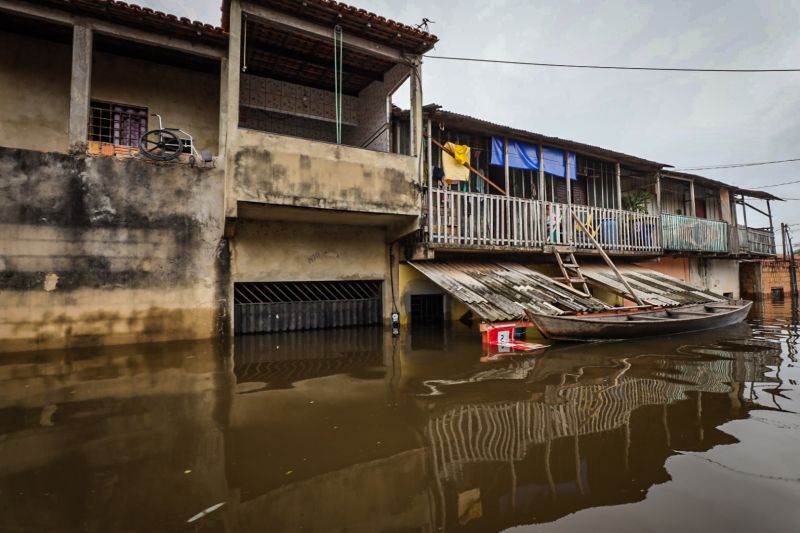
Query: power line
776,184
613,67
737,165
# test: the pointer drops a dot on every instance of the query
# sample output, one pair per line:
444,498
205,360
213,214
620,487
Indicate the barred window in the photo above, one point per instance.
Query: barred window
118,124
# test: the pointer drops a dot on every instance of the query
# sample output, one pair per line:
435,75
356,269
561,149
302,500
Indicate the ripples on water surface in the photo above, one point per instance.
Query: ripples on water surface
351,430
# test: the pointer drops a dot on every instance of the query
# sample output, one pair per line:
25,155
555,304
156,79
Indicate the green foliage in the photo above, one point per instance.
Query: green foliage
637,201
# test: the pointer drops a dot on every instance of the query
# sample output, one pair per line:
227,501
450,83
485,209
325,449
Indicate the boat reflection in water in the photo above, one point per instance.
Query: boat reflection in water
355,430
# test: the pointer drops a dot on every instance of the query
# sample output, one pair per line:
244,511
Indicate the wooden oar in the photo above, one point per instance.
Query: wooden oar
481,176
607,259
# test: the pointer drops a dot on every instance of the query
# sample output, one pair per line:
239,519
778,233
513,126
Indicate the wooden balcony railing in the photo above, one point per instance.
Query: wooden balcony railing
484,220
615,229
755,241
690,234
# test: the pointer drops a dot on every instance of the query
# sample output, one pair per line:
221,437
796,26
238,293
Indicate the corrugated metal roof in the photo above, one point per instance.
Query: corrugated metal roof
702,180
652,287
487,128
500,292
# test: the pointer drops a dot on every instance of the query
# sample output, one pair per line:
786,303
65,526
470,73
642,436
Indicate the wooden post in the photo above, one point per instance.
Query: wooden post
658,192
608,260
429,218
571,231
769,213
505,163
80,88
618,170
541,195
693,208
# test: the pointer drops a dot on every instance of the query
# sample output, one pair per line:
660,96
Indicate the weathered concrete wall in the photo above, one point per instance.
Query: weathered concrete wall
275,169
185,99
99,250
717,275
291,251
34,93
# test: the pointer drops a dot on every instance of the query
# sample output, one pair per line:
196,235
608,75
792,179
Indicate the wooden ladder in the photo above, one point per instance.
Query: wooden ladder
571,271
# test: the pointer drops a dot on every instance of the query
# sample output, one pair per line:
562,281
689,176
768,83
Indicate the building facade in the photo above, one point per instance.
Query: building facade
312,192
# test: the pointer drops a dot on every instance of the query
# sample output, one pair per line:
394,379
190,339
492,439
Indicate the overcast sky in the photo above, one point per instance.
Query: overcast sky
684,119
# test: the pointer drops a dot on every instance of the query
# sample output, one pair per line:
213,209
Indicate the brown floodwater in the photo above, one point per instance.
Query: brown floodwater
353,430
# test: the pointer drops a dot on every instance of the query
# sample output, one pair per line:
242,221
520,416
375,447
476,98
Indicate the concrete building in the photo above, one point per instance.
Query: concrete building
315,193
302,200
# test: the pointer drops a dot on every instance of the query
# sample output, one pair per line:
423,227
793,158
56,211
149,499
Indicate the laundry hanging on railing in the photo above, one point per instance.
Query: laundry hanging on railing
454,167
520,155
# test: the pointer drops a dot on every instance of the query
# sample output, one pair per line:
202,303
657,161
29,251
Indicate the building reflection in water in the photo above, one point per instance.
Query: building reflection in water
353,429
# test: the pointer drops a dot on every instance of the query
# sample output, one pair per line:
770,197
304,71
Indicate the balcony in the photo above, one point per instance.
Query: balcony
755,241
288,171
689,234
460,220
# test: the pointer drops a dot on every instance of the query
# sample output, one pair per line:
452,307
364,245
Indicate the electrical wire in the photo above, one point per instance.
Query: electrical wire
776,184
738,165
612,67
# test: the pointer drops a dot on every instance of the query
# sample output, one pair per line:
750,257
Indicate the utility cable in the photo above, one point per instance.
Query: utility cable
612,67
737,165
776,184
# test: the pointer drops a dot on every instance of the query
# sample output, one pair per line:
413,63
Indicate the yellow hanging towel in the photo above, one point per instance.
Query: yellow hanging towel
454,169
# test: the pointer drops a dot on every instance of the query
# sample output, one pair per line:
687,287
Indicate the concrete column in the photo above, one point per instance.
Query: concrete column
80,88
229,104
416,108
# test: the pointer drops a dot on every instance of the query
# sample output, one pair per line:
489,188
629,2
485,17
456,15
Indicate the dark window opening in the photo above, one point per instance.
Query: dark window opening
119,124
777,293
427,308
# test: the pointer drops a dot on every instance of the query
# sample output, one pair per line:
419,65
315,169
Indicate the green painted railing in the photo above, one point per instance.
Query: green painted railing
689,234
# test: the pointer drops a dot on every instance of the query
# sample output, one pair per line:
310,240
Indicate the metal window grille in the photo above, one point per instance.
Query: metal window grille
118,124
263,307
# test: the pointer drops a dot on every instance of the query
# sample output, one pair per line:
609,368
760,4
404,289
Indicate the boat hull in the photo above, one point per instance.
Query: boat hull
641,324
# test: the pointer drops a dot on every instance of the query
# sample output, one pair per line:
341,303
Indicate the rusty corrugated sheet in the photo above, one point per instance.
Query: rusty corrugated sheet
652,287
499,292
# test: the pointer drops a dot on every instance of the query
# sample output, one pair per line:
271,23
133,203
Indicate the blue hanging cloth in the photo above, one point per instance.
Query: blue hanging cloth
555,164
520,155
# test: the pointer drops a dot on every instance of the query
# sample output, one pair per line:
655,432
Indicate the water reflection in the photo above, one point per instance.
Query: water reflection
353,429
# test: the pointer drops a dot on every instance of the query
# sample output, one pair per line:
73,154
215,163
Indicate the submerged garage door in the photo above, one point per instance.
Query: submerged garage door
264,307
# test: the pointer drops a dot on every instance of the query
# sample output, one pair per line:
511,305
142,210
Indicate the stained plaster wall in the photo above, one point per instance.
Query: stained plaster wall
293,251
185,99
34,93
106,251
717,275
275,169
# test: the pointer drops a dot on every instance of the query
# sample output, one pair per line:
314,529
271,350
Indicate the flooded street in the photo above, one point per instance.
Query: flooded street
353,430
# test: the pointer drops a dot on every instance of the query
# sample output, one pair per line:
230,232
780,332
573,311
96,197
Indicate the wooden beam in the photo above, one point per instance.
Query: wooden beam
114,30
276,18
505,164
607,259
618,171
473,169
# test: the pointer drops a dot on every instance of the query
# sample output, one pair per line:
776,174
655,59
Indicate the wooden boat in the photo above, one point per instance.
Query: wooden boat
633,324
